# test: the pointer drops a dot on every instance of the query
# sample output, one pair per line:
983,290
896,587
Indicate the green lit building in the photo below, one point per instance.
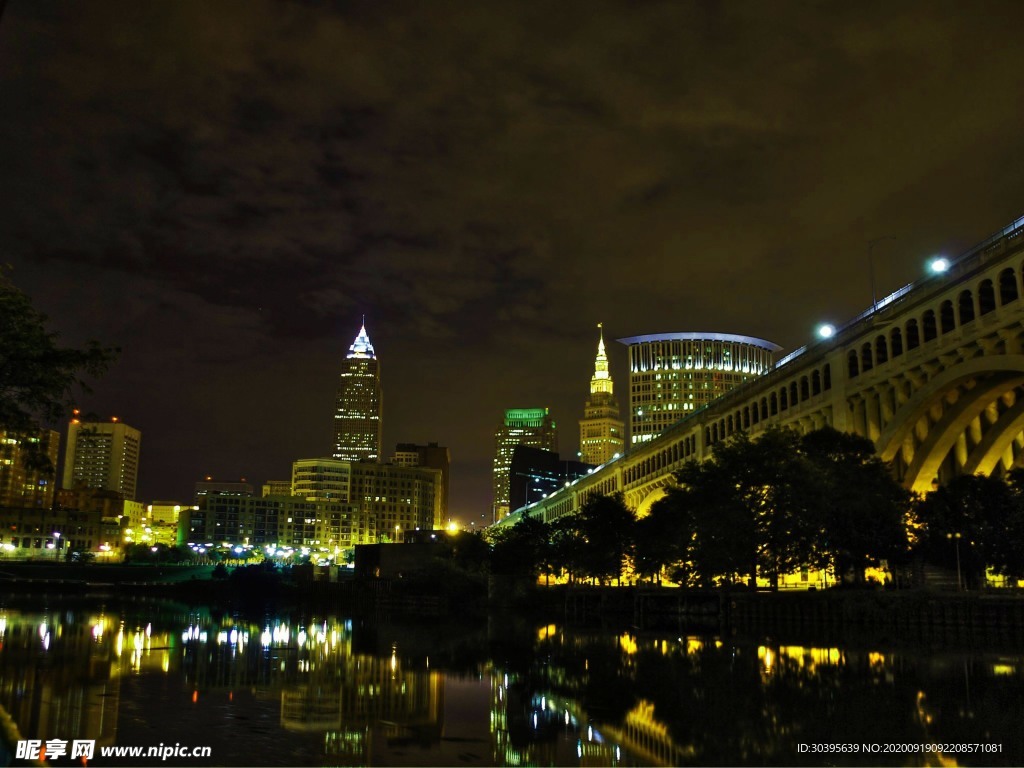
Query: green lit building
521,426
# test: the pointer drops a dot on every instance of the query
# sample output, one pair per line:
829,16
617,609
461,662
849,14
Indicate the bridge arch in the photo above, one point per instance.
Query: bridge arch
995,442
643,508
908,414
995,374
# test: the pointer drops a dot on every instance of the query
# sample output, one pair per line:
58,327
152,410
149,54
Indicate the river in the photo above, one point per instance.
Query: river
295,688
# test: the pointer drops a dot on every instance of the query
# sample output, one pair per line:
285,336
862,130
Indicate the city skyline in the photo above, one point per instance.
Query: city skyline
222,191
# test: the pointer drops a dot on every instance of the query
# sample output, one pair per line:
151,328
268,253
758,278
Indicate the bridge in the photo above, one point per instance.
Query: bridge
932,374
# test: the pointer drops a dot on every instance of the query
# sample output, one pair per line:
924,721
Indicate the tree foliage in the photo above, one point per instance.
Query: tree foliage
37,375
863,509
606,528
978,521
773,506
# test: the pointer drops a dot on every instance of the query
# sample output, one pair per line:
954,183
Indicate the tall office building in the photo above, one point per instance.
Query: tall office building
671,375
537,473
102,454
357,413
602,433
430,455
20,486
521,426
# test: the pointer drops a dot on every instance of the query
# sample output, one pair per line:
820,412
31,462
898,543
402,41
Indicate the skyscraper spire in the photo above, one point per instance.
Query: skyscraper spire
361,347
358,407
601,430
601,380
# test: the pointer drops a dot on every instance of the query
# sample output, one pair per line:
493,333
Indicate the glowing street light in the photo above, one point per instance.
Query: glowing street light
959,581
826,331
938,265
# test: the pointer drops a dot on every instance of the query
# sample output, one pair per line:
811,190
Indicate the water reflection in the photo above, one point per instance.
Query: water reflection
314,690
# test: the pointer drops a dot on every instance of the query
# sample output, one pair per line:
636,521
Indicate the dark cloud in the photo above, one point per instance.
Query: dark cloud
224,188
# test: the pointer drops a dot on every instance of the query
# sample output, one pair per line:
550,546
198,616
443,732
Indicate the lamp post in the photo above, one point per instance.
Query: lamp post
56,545
956,538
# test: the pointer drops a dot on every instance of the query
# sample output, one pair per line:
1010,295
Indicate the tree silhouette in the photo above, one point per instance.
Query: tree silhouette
862,508
38,377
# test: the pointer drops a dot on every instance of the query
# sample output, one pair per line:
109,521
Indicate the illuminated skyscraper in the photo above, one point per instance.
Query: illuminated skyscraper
671,375
522,426
602,433
102,454
21,486
357,414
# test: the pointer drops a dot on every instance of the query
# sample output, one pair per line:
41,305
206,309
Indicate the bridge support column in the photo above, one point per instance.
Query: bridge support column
871,416
960,449
860,424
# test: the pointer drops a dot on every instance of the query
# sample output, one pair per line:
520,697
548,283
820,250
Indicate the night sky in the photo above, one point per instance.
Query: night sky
222,189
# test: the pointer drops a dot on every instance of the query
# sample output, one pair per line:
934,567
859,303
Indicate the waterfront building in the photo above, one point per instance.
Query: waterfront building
671,375
335,505
211,487
102,454
159,524
602,433
21,486
521,426
277,488
117,515
276,522
358,408
394,497
536,473
44,533
429,455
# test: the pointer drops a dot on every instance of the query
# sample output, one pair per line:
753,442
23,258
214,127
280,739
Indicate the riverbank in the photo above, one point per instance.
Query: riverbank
827,614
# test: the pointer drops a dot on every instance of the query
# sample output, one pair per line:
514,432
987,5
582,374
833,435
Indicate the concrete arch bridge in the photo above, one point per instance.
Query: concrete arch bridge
933,374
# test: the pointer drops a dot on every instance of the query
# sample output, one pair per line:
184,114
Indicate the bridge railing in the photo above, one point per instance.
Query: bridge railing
963,261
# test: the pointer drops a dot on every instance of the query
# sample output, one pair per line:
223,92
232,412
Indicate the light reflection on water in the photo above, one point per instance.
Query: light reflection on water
316,690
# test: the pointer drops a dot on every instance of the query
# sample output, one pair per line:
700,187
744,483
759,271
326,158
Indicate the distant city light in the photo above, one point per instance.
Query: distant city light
826,331
938,265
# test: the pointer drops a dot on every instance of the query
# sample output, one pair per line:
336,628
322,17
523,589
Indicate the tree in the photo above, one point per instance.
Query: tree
968,521
718,534
606,524
1008,554
661,537
37,376
519,550
757,508
861,507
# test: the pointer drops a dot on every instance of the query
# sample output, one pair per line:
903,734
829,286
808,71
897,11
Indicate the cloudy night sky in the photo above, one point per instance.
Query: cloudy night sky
222,189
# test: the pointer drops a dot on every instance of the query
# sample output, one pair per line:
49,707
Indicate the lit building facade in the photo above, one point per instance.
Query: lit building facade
358,407
20,486
211,487
323,527
277,488
537,473
602,432
394,498
521,426
671,375
102,454
429,455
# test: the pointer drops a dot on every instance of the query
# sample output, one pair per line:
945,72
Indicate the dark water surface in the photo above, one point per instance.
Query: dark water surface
314,689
